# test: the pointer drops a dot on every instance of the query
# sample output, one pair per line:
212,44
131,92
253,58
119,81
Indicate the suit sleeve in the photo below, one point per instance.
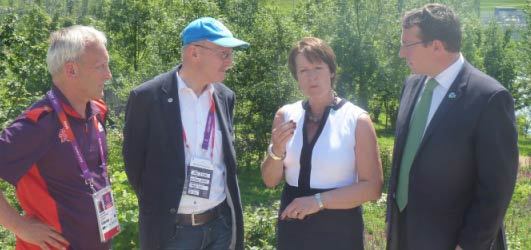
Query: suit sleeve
135,134
497,164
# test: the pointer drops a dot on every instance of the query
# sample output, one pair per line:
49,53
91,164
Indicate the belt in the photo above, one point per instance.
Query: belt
202,218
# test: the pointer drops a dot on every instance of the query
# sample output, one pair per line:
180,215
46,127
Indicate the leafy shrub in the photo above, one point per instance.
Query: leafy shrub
260,225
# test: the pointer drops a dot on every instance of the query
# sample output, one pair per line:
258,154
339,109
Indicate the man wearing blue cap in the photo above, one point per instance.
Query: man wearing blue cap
178,147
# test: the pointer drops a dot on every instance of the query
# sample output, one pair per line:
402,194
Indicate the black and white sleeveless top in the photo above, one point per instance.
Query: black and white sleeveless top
329,159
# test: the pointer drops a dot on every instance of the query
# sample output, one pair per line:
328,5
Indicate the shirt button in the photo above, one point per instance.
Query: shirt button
172,210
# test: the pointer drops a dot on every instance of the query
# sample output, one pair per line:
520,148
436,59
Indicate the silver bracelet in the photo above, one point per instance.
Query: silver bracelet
317,197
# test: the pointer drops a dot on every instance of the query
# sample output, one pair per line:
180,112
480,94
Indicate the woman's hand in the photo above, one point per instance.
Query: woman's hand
273,169
280,136
300,208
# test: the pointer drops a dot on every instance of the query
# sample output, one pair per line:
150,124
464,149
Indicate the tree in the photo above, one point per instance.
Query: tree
23,53
499,55
260,76
364,37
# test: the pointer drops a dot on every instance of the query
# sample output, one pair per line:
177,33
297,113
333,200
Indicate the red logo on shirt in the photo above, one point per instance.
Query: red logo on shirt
63,136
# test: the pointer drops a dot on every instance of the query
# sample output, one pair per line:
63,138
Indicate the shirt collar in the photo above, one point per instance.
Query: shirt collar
92,108
447,76
182,86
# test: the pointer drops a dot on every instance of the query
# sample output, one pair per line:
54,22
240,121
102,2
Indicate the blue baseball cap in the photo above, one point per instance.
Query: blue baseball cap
212,30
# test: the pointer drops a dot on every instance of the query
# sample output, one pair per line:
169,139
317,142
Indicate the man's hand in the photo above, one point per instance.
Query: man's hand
40,234
458,248
29,229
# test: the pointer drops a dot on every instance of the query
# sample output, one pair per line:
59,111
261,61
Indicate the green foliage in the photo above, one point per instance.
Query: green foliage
252,189
361,34
260,224
517,219
524,146
386,156
373,214
23,47
125,197
523,123
6,237
261,80
499,55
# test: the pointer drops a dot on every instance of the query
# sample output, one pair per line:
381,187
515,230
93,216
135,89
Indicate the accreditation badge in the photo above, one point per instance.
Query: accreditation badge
106,213
199,177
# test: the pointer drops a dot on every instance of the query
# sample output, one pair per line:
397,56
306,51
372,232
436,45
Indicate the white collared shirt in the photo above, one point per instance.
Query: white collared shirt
445,80
194,112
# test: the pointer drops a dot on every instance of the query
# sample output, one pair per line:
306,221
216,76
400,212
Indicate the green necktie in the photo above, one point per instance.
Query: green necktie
414,137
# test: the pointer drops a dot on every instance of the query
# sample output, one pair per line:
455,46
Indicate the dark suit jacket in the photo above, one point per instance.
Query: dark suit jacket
463,175
154,156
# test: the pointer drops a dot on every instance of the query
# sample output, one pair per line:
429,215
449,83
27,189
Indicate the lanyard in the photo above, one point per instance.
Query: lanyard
75,146
209,128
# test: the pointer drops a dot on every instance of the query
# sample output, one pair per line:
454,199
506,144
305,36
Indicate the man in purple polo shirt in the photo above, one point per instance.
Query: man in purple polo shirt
55,152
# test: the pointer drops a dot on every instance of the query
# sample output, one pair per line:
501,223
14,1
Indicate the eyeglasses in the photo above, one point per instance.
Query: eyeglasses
407,45
224,55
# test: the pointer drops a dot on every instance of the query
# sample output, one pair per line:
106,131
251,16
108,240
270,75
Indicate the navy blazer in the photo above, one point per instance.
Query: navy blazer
154,158
463,175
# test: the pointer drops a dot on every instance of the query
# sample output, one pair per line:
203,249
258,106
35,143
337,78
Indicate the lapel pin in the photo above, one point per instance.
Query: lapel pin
170,99
452,95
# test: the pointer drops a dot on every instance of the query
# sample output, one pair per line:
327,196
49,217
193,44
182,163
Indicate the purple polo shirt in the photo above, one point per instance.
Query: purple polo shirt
36,157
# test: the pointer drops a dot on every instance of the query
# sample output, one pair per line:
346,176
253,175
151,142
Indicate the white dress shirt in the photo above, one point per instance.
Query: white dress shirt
194,112
445,80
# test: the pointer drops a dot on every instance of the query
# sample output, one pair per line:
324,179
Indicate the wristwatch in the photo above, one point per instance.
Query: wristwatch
273,155
317,197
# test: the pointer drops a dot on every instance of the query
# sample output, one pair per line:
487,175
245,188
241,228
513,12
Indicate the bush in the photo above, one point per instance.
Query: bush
6,237
260,225
126,202
386,155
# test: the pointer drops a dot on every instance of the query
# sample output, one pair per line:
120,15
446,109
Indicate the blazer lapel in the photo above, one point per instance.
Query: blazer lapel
455,92
169,100
221,111
409,98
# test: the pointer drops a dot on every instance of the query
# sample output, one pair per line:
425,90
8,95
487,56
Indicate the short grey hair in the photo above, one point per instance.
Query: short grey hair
69,43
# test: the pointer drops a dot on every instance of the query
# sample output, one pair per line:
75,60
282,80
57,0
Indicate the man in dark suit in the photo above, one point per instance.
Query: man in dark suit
455,155
178,147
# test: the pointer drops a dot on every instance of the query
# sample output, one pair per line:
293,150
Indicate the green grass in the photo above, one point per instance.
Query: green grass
517,219
489,5
252,189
